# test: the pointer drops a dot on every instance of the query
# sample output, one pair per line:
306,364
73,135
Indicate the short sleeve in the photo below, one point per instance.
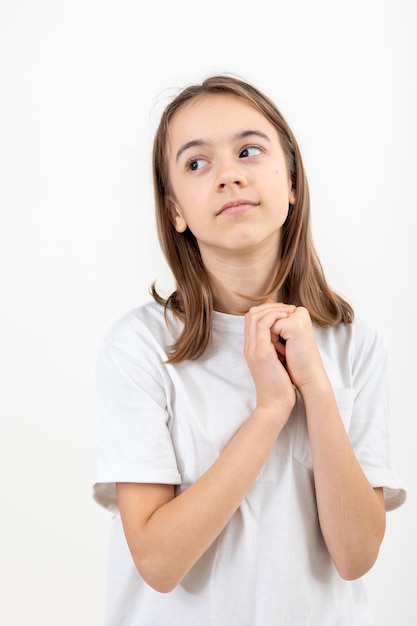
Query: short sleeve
369,429
132,440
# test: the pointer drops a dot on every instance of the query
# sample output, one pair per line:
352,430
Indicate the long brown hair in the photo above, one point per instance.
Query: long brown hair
299,278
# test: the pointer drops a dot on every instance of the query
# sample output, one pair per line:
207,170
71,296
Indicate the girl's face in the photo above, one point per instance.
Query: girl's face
229,178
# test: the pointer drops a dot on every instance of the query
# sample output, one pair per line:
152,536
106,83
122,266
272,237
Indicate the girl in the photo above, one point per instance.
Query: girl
242,434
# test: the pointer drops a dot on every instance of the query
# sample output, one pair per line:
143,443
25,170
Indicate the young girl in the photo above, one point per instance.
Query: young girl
242,437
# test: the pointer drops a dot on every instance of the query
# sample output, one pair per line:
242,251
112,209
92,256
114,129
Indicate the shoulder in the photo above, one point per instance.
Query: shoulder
367,339
142,334
353,353
151,312
360,336
359,344
139,324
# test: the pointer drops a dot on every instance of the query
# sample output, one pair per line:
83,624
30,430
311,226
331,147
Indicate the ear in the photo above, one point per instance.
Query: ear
292,196
177,217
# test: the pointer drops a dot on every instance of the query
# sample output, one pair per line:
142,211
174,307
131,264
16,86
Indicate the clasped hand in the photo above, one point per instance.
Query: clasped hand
281,352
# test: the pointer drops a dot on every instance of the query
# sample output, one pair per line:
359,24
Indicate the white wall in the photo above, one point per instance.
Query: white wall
82,84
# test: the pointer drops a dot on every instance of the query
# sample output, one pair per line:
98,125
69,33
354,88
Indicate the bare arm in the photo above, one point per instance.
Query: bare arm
166,534
351,512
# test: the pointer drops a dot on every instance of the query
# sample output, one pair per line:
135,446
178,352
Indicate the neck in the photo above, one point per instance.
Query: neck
250,276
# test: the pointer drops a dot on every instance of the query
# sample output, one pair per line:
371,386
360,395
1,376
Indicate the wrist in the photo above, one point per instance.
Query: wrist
316,389
279,410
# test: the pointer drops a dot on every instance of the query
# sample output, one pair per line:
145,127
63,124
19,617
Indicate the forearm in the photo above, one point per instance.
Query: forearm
351,513
177,533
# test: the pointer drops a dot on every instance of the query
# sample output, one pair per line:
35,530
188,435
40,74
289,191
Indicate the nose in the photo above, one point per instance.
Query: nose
230,175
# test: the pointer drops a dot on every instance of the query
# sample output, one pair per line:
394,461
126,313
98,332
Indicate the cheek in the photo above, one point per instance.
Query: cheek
284,188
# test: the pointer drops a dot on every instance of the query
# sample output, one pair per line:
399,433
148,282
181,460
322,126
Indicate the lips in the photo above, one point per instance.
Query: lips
233,206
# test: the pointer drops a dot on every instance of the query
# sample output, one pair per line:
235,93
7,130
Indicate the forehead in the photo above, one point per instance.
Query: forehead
214,117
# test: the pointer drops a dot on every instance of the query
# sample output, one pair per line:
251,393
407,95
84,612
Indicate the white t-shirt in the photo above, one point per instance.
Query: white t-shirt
159,423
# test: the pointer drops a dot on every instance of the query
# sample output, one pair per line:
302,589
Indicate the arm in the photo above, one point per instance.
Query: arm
351,512
166,534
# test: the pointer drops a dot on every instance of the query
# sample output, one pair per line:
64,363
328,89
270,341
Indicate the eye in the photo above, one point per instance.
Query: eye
195,164
250,151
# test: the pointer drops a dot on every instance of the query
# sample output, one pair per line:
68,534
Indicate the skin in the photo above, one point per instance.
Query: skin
239,246
210,164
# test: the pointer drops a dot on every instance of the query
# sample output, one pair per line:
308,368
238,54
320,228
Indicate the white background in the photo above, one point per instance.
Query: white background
82,86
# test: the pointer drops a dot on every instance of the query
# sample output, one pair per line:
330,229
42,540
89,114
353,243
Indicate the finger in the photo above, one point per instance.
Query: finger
267,316
259,337
270,304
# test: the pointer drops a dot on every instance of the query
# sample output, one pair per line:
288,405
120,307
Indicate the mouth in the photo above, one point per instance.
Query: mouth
233,207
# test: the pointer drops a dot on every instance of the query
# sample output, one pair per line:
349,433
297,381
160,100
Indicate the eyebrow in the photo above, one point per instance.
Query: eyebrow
203,142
